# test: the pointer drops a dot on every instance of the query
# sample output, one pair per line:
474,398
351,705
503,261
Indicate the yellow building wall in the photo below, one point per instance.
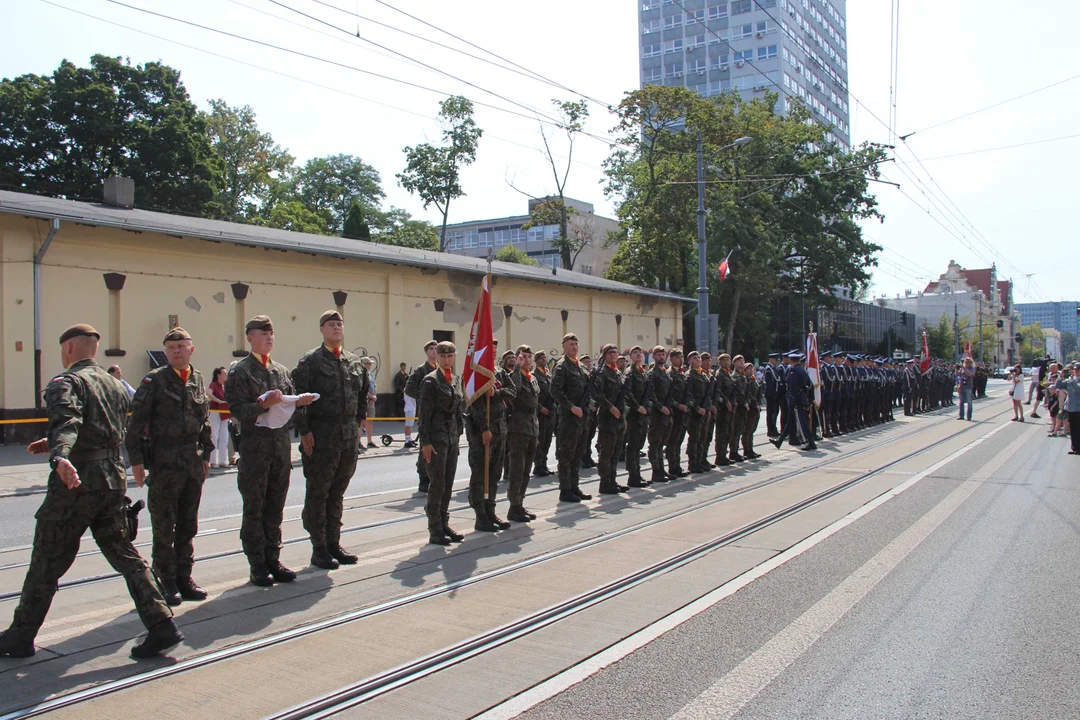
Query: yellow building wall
390,311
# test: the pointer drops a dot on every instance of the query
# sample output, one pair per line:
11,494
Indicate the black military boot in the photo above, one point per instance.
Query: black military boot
567,494
161,637
637,482
722,461
189,590
736,457
320,558
518,514
13,646
261,576
448,531
660,477
171,593
489,506
539,471
483,522
280,572
344,558
609,489
581,495
438,539
588,462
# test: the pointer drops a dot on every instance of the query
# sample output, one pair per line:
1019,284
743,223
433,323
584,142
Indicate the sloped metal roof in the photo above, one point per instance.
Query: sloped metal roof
136,220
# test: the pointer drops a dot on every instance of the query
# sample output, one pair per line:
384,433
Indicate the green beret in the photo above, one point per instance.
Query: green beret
610,347
177,333
569,336
430,344
330,315
524,349
446,348
79,330
259,322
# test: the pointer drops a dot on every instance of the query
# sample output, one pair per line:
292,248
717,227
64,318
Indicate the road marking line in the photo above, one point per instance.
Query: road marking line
566,679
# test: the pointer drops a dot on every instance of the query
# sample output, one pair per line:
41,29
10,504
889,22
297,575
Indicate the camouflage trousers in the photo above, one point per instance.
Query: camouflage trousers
327,474
440,472
543,440
738,420
609,434
496,458
522,451
570,450
176,485
697,447
263,479
673,449
724,419
659,430
61,520
637,429
750,426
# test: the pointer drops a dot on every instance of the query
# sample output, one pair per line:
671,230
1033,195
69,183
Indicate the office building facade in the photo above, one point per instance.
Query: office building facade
795,48
1060,316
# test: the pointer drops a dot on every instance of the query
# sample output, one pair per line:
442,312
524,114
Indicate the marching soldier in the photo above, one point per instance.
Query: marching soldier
439,402
486,429
571,387
610,409
639,402
412,407
679,413
725,409
697,401
741,407
545,410
329,435
660,418
523,434
799,392
754,399
171,408
255,385
87,411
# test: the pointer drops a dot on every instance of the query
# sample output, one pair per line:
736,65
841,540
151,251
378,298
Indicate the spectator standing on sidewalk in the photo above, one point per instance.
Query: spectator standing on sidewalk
1071,386
1016,391
115,372
372,396
219,421
965,383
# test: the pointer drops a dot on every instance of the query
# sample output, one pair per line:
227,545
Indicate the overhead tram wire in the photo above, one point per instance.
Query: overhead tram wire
1002,147
281,74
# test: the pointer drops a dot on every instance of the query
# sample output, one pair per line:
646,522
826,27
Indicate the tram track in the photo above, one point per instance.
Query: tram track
390,522
385,682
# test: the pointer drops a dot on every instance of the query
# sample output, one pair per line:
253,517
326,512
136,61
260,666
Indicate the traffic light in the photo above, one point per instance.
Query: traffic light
1019,338
1001,324
903,316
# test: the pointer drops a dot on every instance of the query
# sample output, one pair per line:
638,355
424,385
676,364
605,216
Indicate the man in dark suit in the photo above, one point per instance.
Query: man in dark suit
799,389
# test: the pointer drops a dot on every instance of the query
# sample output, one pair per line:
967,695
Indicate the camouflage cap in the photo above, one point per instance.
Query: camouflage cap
177,333
525,349
79,330
569,336
259,322
446,348
330,315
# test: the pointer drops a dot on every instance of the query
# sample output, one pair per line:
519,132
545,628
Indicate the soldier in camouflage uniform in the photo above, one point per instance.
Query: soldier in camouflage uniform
697,400
571,387
741,405
725,409
172,409
660,418
545,410
329,436
87,411
412,392
621,365
440,400
639,401
265,453
509,361
488,430
610,408
713,410
523,433
680,414
591,417
755,398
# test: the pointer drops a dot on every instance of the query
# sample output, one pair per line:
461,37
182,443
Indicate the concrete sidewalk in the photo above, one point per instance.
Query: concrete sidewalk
24,474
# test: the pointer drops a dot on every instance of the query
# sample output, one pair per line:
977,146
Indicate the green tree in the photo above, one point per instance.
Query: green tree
1068,344
579,228
434,172
293,215
328,185
356,227
62,135
397,227
511,254
786,207
250,161
1034,344
939,338
553,209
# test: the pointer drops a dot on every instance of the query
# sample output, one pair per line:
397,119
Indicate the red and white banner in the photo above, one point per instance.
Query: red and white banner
924,363
967,348
725,269
813,366
479,373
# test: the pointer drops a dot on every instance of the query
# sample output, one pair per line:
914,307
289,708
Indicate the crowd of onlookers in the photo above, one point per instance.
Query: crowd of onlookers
1055,387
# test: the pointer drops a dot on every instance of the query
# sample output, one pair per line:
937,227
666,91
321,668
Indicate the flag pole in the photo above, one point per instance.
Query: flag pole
487,399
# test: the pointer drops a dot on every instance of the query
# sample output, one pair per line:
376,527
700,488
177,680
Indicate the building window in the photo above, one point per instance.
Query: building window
740,7
650,26
517,235
536,234
470,238
698,66
766,27
585,270
766,53
744,56
695,16
672,21
650,4
454,240
673,70
717,12
502,237
720,62
551,232
486,238
652,50
652,75
673,46
744,31
766,3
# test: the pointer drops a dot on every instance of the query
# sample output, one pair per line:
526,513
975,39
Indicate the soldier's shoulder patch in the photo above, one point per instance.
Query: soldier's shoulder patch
148,379
232,370
58,378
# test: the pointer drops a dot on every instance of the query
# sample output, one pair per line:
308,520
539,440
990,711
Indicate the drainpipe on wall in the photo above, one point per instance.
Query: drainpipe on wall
37,309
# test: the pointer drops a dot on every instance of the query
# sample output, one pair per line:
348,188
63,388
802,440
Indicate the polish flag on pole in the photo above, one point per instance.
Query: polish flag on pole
479,372
924,363
967,348
725,269
813,366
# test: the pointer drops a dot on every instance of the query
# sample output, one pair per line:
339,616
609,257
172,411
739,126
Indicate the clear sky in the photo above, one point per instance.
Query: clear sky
1009,206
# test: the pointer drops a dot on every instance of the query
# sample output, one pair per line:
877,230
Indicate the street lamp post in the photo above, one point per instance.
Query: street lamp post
703,288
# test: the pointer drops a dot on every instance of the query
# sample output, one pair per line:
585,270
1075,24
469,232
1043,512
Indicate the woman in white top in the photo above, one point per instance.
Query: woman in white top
1017,393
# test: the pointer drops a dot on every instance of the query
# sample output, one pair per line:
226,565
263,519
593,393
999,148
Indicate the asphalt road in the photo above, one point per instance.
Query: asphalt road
978,620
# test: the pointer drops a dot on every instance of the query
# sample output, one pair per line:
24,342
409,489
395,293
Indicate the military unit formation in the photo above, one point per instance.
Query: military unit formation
694,405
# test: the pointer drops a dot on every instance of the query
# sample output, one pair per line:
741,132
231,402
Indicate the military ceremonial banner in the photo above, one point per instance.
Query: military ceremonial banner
924,361
479,372
813,366
725,269
967,348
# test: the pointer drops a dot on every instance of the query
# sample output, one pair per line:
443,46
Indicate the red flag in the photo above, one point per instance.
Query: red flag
967,348
813,366
924,365
479,373
725,270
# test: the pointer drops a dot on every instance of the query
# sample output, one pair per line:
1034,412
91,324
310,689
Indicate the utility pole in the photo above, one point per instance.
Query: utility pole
980,330
956,332
703,342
